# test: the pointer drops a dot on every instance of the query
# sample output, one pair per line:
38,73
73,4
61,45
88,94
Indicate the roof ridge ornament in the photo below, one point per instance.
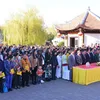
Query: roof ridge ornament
89,8
85,16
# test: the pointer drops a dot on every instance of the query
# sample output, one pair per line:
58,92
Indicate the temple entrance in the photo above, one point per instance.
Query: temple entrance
73,42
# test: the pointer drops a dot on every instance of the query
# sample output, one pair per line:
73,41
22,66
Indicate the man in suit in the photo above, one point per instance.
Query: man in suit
83,53
71,63
88,57
96,55
78,58
92,55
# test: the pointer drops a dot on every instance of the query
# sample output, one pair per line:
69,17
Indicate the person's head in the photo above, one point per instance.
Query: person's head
59,53
97,51
10,57
92,50
78,52
24,56
85,51
88,50
9,53
64,52
39,52
40,67
16,55
26,52
55,54
5,56
72,51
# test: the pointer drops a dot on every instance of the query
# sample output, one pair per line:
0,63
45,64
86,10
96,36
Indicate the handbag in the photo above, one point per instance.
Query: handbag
12,71
2,75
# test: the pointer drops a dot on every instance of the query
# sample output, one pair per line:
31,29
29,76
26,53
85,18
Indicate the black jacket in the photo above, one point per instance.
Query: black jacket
92,57
48,58
88,58
83,59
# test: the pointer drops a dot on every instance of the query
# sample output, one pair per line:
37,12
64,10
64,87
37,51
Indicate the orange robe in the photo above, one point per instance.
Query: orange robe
26,65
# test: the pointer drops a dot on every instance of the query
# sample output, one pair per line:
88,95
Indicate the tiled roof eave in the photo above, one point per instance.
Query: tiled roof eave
85,30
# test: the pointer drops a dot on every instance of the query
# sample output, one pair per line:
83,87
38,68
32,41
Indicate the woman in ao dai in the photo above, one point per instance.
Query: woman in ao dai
64,66
58,69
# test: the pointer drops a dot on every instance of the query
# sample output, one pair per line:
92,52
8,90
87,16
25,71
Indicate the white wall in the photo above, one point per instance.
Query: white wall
91,38
56,41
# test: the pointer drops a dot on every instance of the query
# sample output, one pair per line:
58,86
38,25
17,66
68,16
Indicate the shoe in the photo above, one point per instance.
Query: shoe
42,81
27,85
1,92
71,81
18,87
10,89
34,83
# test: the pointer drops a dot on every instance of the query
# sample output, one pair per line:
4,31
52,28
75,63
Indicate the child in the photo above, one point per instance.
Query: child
39,75
19,74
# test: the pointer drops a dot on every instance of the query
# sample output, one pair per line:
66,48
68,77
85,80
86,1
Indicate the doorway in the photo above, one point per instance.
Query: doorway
73,42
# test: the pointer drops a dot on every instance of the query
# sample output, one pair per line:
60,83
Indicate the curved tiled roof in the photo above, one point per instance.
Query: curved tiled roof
87,20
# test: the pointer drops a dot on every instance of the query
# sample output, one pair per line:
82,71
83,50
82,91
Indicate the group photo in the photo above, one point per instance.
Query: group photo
23,66
49,50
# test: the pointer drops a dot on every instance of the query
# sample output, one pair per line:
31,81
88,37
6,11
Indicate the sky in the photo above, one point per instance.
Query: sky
52,11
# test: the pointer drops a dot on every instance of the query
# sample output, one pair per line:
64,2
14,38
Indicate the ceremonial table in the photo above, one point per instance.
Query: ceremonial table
86,75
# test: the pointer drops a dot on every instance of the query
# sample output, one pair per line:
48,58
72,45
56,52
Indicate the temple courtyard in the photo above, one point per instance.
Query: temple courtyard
55,90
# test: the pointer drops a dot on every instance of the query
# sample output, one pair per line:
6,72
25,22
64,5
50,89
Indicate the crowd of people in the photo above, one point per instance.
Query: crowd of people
21,66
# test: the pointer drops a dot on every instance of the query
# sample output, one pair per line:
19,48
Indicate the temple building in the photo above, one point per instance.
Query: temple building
84,29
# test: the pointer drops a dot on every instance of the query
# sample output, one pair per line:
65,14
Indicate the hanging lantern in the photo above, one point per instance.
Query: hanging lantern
58,35
80,33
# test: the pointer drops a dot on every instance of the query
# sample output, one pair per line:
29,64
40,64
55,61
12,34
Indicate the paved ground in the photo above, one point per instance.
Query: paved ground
55,90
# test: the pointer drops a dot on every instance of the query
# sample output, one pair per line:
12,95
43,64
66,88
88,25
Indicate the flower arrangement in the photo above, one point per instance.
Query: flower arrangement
98,64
